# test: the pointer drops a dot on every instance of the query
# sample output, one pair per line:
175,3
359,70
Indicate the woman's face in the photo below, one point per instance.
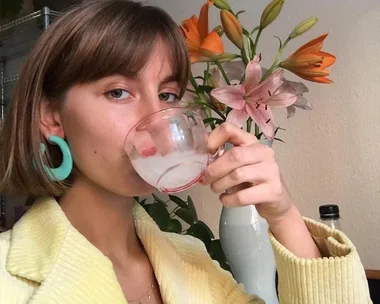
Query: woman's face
97,116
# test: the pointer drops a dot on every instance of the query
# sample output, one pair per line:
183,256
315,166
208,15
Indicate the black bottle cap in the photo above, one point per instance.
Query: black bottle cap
329,211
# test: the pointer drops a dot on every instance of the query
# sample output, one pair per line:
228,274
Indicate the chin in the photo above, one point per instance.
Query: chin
141,188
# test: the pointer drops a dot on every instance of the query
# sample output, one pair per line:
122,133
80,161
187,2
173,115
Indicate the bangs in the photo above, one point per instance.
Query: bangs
119,39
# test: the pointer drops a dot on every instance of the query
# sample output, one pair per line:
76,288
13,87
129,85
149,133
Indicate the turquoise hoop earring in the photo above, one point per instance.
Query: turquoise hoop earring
64,170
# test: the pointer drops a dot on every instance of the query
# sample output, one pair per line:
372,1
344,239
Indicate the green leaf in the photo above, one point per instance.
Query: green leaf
185,215
216,253
205,88
160,215
279,39
199,231
174,226
207,228
279,139
213,119
142,203
179,201
216,250
255,29
251,48
192,208
157,199
238,13
245,32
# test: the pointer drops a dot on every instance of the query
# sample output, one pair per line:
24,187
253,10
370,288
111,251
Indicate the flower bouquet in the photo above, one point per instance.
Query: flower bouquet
234,87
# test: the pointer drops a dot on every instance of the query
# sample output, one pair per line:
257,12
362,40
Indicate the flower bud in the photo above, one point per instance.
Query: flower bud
270,13
222,4
303,27
232,28
219,30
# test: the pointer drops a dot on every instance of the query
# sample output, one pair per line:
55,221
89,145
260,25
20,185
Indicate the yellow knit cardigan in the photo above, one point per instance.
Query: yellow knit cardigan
44,260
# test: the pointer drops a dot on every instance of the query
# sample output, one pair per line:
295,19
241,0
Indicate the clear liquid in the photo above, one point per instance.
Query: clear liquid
174,170
332,223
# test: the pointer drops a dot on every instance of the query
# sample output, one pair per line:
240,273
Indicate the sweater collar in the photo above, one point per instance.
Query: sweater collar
47,249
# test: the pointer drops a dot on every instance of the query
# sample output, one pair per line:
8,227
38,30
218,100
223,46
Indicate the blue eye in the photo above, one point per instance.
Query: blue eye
168,97
119,94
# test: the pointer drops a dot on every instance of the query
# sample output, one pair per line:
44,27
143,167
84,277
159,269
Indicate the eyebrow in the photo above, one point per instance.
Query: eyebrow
169,78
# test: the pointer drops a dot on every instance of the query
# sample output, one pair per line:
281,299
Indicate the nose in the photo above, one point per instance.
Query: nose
152,134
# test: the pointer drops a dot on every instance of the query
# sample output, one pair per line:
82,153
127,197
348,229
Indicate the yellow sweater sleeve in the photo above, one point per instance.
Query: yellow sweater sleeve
337,278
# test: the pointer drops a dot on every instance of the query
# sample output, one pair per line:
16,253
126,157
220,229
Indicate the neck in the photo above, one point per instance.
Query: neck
104,218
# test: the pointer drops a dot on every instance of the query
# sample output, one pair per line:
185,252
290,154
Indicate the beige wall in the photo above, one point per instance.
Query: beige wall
332,154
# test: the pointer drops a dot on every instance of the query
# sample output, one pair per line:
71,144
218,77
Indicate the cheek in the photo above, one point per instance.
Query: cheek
97,137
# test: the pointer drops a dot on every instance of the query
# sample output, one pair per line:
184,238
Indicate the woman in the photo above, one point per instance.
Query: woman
98,70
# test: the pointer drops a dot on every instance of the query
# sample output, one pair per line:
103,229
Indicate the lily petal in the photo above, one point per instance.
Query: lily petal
264,119
312,46
316,79
203,20
198,57
266,89
328,59
232,96
296,87
291,111
234,69
252,76
303,103
238,117
212,45
281,100
218,81
189,28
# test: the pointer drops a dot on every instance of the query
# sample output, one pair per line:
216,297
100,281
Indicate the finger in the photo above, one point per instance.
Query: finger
250,196
238,157
249,175
227,132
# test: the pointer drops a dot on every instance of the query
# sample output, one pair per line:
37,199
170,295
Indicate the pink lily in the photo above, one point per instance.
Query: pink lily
299,89
255,99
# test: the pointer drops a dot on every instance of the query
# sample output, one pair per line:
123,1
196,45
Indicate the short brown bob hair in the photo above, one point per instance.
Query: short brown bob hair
90,41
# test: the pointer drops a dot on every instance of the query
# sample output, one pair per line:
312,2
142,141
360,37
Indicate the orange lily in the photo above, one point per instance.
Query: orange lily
202,45
309,62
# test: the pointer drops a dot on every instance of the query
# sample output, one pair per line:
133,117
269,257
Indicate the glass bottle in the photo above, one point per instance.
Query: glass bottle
329,215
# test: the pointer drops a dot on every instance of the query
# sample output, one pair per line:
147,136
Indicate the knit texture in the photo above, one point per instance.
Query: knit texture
44,259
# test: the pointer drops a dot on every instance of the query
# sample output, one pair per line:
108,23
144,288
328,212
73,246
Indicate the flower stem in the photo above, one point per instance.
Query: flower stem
212,108
257,41
193,82
244,56
221,69
206,73
249,125
275,64
257,130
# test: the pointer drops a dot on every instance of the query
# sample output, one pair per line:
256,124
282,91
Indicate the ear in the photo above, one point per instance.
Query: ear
50,121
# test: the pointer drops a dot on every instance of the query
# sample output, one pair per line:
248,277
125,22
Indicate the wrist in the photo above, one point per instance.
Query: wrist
292,214
291,231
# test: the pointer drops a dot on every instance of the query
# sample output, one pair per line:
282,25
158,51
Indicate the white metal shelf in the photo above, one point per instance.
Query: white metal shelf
27,18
